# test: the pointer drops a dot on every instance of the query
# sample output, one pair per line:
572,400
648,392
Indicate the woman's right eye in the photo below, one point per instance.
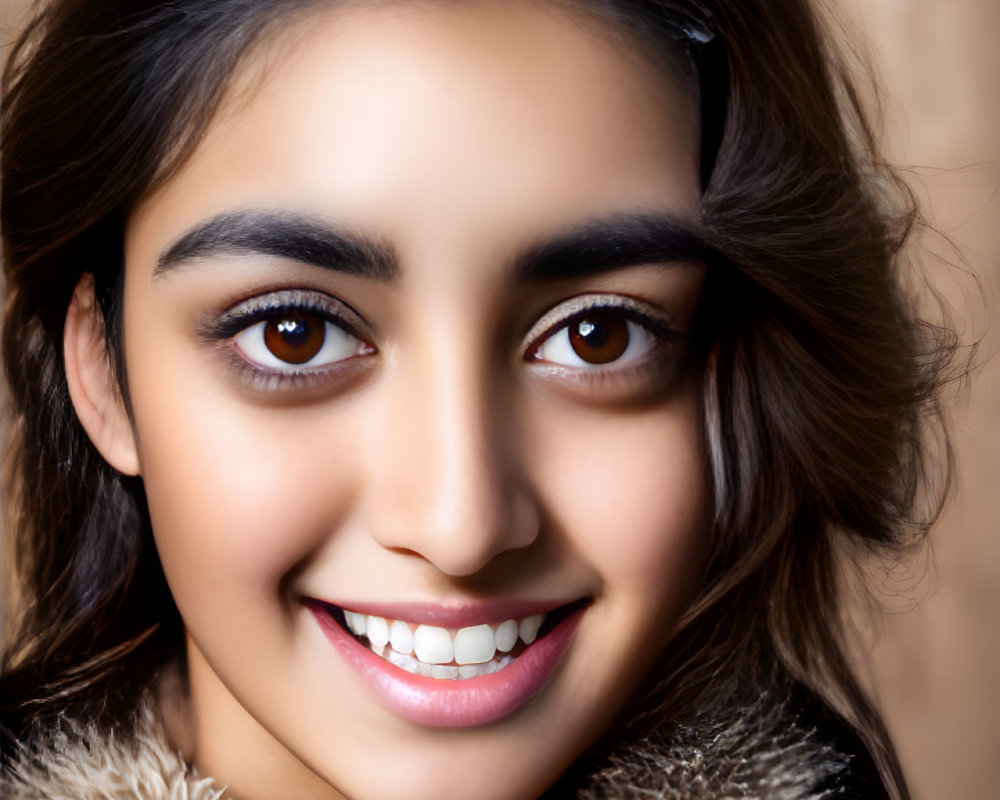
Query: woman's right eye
291,339
294,340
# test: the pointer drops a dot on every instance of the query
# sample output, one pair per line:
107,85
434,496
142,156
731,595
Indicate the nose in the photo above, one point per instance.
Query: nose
446,481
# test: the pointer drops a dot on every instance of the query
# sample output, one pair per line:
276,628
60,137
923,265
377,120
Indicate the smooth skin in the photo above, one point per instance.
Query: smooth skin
449,452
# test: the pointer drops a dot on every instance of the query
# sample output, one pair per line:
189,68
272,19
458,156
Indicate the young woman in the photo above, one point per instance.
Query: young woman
445,399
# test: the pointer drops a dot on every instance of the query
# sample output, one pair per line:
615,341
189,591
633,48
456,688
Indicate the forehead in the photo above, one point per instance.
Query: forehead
486,115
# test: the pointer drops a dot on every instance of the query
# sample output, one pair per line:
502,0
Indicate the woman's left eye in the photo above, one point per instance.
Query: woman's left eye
297,339
600,337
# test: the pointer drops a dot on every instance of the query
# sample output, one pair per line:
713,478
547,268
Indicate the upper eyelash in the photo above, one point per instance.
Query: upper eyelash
552,321
267,305
262,307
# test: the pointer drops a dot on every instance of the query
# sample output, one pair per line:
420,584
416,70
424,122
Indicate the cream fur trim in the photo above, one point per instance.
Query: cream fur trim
767,749
73,762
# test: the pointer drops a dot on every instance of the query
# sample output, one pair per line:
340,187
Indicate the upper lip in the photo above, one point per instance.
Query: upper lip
450,615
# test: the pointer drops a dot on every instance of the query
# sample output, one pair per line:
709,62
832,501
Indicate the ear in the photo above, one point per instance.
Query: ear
92,385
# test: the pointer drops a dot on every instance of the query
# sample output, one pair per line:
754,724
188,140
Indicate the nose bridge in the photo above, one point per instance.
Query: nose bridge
449,489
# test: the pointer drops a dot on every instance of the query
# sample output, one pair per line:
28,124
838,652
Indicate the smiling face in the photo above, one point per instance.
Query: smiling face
406,350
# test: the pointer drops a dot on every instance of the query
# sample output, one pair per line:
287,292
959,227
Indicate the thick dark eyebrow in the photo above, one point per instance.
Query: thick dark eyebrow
284,235
607,244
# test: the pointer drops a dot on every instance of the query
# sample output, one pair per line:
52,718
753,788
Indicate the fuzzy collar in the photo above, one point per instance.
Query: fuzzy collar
768,750
76,762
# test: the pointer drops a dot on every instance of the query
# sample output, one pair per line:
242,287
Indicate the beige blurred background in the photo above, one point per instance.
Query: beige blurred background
931,653
932,658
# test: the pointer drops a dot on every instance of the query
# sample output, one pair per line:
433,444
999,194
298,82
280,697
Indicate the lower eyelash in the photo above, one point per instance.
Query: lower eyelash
652,377
226,327
262,380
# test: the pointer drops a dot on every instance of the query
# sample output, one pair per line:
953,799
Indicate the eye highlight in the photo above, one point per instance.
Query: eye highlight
296,340
291,335
611,346
601,337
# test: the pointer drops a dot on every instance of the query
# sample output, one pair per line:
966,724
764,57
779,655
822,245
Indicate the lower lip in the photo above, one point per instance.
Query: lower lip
453,703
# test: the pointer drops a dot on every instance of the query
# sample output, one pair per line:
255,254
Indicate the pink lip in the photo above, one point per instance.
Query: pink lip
448,703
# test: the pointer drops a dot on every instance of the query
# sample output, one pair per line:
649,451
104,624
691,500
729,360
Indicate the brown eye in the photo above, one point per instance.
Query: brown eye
600,337
296,338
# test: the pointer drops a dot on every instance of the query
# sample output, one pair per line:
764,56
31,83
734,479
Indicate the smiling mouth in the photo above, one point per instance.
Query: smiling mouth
454,654
451,666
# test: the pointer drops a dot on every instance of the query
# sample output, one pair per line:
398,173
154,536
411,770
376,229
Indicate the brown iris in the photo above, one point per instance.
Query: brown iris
599,337
295,338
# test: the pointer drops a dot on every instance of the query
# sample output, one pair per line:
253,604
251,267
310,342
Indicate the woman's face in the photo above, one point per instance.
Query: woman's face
406,348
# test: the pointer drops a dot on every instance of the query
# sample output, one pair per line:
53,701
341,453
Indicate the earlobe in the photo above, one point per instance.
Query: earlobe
92,385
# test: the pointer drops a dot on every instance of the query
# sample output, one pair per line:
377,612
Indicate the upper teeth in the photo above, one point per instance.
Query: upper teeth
430,644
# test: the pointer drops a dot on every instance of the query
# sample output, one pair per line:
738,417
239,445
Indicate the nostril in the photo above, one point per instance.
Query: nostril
462,540
444,486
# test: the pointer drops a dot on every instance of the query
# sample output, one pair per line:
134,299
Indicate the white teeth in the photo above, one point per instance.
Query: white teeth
433,645
377,630
444,672
506,636
356,622
475,645
529,628
466,671
425,669
407,662
432,651
401,637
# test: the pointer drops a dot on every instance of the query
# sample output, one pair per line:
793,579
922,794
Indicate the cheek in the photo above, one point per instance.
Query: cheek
238,495
631,494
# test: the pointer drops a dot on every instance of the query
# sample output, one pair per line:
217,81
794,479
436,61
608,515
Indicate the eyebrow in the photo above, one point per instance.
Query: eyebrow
597,246
284,235
611,243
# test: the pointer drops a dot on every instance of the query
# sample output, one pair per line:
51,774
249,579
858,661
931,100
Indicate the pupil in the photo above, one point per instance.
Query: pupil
600,338
295,340
293,331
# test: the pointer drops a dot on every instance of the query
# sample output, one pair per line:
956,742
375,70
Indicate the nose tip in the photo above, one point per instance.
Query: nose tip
459,538
447,483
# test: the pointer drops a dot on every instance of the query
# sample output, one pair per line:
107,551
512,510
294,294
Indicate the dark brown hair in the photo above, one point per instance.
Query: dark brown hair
818,381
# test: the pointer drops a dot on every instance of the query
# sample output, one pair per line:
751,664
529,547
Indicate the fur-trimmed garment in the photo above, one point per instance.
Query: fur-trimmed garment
769,750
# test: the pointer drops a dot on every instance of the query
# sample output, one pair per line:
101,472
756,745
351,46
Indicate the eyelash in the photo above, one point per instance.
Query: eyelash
241,318
573,312
281,305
